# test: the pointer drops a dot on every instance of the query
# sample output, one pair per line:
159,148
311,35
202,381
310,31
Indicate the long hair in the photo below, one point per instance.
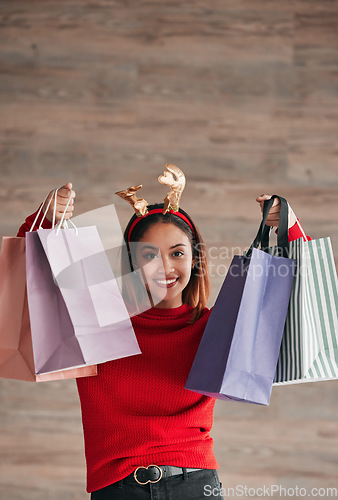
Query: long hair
197,291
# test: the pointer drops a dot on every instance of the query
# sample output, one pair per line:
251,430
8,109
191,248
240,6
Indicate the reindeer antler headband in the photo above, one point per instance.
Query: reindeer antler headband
172,177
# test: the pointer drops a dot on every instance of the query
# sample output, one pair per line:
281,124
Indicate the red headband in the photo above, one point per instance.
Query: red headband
160,211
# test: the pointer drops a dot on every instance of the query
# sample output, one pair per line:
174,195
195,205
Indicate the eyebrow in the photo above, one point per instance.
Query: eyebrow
156,248
178,245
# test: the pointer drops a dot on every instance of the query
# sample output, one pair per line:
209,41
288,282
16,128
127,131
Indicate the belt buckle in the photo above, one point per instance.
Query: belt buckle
149,480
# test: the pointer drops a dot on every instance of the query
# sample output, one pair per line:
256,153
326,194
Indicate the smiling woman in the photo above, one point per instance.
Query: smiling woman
165,266
171,254
145,435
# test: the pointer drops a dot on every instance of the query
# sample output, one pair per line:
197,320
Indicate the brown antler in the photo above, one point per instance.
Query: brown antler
175,178
138,204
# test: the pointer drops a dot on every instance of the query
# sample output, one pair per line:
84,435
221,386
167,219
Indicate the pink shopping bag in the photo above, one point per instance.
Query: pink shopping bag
16,349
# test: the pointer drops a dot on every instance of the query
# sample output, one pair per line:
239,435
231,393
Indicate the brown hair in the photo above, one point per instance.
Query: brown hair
196,293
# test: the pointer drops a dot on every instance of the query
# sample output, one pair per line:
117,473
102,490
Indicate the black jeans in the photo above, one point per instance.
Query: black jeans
197,485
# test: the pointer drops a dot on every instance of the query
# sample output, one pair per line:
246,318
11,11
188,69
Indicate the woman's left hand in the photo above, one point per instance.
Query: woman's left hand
273,217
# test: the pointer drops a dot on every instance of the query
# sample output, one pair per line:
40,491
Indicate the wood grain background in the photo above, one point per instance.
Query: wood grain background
242,95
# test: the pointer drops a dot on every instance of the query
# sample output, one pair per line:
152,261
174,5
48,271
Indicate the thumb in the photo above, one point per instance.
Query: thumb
263,197
69,185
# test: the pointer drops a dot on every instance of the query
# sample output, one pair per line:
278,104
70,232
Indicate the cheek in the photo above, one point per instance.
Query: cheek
150,267
186,268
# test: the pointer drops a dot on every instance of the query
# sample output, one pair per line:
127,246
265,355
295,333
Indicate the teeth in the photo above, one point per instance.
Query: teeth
166,282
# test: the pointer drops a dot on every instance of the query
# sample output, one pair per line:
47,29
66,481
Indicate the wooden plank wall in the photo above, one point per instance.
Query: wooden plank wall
242,94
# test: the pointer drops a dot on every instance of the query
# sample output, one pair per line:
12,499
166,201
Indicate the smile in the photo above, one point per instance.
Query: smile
166,283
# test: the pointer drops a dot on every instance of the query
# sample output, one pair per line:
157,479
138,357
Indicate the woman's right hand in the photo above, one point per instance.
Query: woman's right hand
61,202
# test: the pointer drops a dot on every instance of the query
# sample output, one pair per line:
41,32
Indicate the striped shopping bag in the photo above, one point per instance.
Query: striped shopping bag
309,349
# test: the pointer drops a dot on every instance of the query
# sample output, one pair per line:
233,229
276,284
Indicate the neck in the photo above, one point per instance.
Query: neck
167,304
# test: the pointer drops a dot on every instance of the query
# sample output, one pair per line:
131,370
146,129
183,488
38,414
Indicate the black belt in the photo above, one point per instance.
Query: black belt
154,473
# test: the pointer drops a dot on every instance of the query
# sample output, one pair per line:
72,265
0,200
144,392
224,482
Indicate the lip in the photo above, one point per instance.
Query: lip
166,285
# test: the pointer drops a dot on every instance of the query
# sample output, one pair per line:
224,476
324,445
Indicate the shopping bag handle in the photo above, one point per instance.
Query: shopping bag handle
263,234
39,212
55,195
305,237
265,238
62,222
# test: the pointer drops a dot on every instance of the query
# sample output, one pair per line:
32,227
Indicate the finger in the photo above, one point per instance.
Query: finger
260,199
275,206
63,203
64,195
265,197
69,210
61,210
274,213
64,191
66,216
262,206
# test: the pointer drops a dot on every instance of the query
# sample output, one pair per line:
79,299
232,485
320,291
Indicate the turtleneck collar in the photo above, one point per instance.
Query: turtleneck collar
164,312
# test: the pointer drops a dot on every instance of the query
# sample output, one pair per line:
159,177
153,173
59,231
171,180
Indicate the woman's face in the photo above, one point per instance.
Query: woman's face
165,256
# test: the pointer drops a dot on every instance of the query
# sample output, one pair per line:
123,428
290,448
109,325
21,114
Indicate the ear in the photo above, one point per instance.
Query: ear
194,261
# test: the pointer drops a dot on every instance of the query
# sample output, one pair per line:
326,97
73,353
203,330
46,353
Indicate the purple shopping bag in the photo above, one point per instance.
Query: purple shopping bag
238,353
65,328
54,343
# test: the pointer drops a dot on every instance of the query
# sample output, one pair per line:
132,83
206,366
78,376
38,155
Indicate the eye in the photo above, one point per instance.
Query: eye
178,253
149,255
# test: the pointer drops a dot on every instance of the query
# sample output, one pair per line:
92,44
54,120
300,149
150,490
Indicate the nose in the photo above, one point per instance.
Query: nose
165,266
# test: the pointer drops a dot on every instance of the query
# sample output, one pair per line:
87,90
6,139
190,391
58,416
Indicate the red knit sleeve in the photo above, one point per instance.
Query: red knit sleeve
295,233
26,226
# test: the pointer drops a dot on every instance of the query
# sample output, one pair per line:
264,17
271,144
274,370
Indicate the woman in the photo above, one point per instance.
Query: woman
146,436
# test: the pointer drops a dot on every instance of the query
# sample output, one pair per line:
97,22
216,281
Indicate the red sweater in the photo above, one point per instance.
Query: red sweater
136,410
